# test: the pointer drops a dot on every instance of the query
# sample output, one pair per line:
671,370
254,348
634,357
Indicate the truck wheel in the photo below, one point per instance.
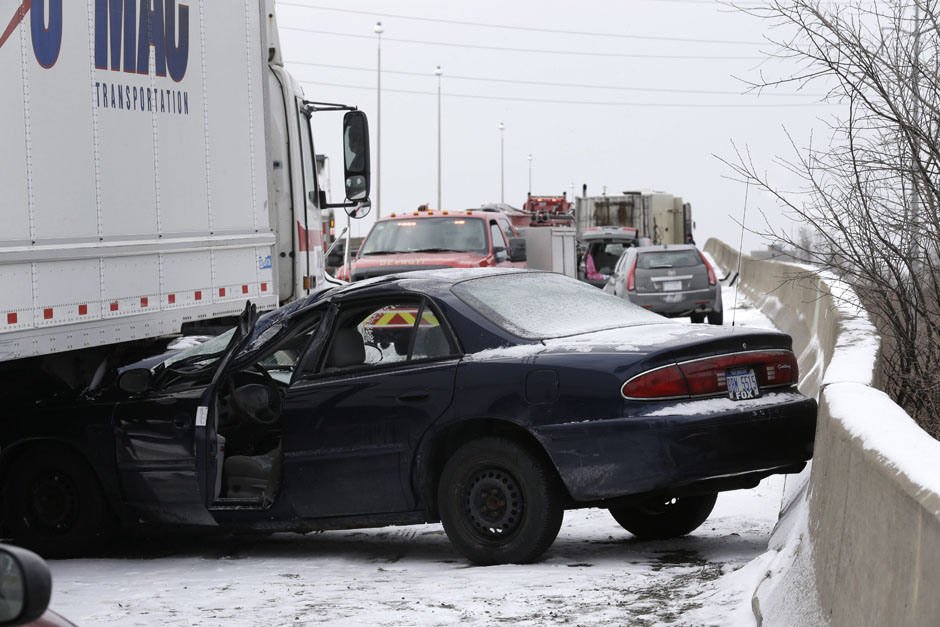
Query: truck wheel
53,504
716,317
499,503
658,519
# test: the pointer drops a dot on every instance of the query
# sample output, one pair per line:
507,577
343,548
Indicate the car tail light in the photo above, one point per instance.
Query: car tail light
706,377
631,276
712,279
665,382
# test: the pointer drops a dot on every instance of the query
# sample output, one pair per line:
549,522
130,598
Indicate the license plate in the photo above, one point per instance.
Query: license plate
672,286
742,384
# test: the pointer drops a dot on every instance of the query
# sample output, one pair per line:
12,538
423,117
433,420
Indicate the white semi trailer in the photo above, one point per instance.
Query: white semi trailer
158,169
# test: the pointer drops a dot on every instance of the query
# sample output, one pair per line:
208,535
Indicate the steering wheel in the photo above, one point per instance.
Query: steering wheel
257,403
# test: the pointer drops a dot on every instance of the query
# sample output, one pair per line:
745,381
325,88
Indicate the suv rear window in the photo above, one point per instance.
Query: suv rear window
668,259
606,254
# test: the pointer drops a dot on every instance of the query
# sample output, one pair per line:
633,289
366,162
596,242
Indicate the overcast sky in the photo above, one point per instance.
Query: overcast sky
633,94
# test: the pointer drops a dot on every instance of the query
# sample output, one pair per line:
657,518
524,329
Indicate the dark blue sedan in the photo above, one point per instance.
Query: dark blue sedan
488,400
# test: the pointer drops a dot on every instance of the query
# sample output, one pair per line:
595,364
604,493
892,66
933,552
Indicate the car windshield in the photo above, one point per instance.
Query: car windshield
211,349
542,305
668,259
456,233
267,327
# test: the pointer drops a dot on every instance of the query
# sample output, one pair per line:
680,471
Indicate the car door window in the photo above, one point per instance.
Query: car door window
387,333
432,340
281,362
499,243
507,229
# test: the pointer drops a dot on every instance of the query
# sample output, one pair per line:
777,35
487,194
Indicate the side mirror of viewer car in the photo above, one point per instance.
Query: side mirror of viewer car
25,586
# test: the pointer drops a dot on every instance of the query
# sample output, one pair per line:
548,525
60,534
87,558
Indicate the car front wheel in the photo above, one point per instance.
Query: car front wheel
499,503
52,503
661,518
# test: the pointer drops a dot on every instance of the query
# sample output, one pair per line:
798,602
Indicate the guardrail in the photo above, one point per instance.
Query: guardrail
859,542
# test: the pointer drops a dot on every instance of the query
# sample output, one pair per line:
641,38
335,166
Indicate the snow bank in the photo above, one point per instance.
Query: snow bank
858,541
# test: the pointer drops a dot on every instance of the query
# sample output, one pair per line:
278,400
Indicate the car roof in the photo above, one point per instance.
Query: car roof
437,280
440,278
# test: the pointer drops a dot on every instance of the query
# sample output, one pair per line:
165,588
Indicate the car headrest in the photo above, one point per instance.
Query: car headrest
347,349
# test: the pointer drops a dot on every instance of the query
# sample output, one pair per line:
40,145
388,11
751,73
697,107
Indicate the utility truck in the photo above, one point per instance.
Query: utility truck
158,170
546,211
608,225
658,217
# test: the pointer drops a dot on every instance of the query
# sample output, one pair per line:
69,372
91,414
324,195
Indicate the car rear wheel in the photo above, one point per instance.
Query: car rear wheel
53,504
716,317
499,503
658,519
697,318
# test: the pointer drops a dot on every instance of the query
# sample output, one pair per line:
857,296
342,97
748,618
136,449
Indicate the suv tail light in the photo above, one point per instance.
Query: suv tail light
712,279
706,377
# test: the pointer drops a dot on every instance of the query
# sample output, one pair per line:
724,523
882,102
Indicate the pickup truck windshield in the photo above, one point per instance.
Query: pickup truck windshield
444,234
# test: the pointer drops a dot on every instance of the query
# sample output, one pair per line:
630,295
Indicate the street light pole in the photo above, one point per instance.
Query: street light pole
530,174
502,179
438,72
378,123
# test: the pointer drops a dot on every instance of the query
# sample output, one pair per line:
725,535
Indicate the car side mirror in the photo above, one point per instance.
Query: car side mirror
135,381
25,586
517,249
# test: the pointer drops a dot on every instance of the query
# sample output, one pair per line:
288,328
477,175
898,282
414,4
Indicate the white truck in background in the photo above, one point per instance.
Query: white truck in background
158,170
657,216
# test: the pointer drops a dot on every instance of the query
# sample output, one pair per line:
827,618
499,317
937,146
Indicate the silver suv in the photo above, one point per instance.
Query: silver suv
673,280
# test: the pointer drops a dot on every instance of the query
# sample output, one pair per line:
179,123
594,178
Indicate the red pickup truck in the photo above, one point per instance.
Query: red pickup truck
426,239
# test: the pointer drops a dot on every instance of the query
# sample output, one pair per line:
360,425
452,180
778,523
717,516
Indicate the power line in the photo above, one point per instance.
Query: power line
665,90
677,57
694,105
533,29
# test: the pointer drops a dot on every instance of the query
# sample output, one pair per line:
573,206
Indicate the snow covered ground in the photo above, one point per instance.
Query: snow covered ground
595,574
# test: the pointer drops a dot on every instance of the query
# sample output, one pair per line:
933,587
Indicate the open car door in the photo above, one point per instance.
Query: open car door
166,437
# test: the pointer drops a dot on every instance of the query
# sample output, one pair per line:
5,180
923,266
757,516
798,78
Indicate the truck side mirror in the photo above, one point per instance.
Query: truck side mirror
356,155
517,249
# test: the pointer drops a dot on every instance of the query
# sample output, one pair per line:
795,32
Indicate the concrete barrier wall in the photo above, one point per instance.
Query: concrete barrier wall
867,550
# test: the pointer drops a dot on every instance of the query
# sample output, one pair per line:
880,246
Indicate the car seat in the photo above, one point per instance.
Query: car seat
347,349
253,477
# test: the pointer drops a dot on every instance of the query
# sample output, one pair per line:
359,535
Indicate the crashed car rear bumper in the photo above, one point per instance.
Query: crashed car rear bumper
661,450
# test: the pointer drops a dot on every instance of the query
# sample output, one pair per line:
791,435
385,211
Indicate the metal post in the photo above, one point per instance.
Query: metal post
502,180
440,204
530,174
378,124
